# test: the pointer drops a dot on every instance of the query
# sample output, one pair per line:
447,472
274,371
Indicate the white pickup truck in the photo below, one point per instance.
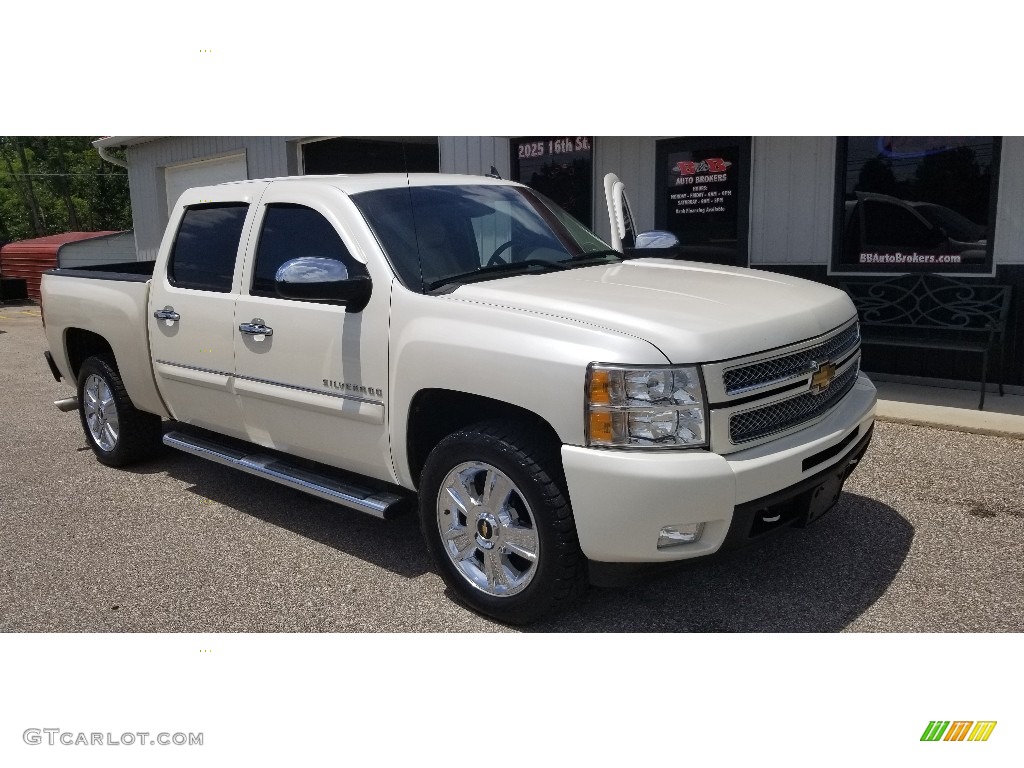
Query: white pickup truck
558,407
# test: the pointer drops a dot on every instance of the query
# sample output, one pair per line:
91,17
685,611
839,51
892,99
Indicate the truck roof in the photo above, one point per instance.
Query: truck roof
364,182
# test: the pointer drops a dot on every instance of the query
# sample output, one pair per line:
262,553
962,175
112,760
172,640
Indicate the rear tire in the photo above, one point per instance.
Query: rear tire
118,433
498,524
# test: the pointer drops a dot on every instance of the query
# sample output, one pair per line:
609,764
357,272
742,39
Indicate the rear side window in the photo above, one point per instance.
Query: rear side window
290,231
203,257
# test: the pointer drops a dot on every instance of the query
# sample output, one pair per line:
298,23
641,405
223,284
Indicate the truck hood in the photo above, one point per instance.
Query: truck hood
693,312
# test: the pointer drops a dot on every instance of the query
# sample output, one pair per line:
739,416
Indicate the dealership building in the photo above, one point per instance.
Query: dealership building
837,210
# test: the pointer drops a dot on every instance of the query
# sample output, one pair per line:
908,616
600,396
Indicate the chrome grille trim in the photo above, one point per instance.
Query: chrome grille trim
757,423
764,373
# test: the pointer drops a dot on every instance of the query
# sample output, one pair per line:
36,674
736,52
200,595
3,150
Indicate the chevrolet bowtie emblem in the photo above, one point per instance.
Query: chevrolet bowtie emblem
821,377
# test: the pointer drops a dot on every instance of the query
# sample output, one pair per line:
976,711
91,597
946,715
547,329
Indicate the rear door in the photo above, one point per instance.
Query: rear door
192,306
314,385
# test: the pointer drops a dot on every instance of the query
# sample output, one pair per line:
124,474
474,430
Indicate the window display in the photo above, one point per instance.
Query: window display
561,167
915,203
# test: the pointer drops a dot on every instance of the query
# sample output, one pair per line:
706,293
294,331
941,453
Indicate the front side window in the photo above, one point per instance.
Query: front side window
433,235
206,247
291,231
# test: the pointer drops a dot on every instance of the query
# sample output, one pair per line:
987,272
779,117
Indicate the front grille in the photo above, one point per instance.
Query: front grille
778,417
766,372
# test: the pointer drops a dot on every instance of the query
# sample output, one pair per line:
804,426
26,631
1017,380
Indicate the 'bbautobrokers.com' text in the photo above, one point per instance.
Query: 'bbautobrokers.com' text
909,258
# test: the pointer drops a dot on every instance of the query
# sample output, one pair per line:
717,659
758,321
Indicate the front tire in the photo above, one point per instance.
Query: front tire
118,433
498,524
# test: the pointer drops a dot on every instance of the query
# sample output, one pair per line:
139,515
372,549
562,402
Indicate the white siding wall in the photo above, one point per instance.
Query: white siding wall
791,193
266,157
1009,244
474,154
792,188
792,199
113,249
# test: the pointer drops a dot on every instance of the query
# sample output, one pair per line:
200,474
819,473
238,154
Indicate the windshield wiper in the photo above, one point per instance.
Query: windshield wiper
597,255
515,266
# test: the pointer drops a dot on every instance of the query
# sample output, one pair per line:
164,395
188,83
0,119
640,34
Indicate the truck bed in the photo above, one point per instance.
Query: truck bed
129,271
109,307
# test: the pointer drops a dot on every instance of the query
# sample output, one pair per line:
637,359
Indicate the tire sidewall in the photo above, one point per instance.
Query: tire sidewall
96,366
535,599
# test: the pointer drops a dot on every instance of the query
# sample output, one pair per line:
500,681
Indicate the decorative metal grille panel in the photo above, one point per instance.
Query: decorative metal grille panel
760,374
931,301
778,417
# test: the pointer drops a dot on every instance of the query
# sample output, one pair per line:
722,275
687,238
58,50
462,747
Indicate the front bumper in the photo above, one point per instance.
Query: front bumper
622,499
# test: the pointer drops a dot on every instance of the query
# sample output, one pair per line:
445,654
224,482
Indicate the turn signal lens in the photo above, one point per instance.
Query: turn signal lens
607,427
605,387
600,388
601,427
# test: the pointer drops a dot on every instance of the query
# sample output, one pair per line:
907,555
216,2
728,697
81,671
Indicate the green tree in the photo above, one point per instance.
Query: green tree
53,184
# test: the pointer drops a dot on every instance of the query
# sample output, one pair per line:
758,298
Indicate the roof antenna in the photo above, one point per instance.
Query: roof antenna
493,174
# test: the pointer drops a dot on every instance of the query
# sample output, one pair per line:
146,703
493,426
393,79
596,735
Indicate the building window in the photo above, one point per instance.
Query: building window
915,203
380,155
703,196
206,247
561,167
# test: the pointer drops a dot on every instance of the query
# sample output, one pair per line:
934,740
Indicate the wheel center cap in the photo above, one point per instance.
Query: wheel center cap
486,529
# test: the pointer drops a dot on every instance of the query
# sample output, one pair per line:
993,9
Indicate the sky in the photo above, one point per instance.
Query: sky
458,68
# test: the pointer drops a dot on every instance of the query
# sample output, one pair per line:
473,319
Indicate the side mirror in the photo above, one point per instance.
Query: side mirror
656,239
620,215
309,278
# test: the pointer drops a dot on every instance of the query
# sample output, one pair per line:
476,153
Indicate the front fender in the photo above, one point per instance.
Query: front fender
532,361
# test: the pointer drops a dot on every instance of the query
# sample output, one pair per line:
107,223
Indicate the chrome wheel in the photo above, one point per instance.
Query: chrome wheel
487,529
100,412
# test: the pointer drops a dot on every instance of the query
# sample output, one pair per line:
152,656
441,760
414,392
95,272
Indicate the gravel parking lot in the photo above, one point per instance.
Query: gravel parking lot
927,538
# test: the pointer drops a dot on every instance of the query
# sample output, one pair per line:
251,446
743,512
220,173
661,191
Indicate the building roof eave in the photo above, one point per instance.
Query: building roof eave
107,142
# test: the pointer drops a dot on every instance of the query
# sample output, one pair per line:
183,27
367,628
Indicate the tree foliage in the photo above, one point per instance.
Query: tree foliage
54,184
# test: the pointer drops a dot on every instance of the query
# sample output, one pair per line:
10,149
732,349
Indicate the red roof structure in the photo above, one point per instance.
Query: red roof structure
28,259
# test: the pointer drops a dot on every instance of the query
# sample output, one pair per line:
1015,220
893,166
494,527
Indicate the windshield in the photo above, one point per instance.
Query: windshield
440,234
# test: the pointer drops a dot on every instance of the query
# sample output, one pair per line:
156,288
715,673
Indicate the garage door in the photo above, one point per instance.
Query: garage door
178,178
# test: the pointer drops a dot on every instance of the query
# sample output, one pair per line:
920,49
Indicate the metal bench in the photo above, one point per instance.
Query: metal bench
934,312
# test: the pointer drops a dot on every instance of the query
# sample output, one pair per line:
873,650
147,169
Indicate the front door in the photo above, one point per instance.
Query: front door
703,196
315,383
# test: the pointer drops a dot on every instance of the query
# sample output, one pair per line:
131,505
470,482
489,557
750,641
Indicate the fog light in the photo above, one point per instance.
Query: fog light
674,535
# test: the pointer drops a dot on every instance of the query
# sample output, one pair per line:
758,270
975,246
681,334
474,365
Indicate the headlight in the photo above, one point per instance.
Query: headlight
656,407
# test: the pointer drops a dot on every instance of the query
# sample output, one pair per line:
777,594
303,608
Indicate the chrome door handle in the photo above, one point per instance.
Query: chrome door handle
256,328
167,313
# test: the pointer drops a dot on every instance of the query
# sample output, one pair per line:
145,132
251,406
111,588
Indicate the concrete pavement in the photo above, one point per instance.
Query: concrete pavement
947,408
926,538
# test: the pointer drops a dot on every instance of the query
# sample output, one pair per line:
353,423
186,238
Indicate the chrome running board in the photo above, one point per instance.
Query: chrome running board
372,501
